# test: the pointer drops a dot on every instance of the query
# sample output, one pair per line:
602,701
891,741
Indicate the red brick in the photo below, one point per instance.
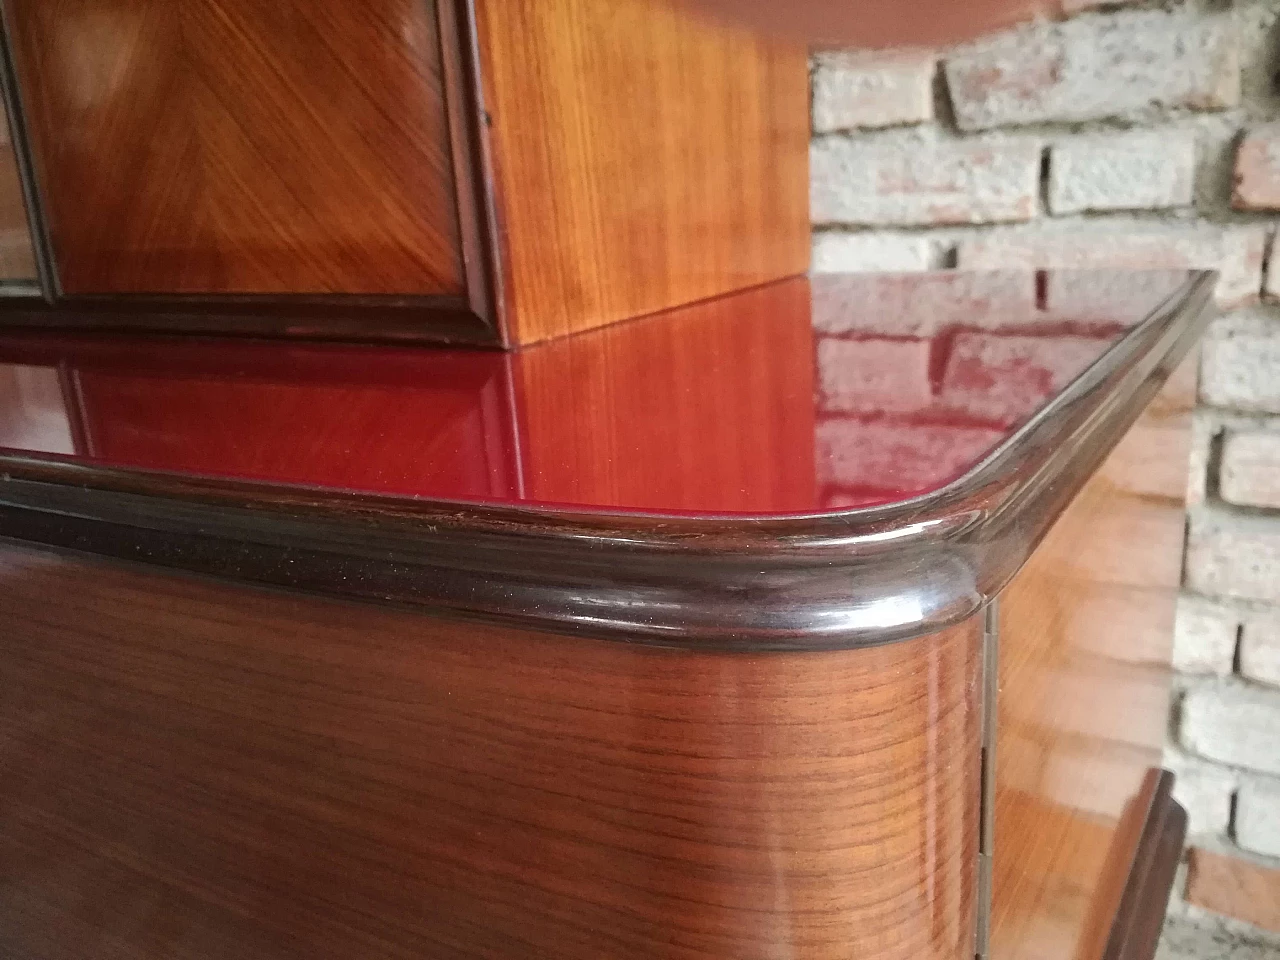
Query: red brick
1258,170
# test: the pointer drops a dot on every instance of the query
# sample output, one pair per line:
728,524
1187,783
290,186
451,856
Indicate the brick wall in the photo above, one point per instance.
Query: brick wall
1128,135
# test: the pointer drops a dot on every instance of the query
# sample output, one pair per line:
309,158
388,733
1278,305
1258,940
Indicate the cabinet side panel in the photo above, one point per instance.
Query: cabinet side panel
1085,642
642,159
240,146
198,770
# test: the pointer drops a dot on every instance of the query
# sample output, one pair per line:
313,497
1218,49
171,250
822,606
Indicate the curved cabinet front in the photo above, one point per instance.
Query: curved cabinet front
204,770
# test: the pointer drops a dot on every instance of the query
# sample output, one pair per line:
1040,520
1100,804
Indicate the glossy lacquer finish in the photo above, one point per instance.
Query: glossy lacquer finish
1085,634
647,416
240,146
803,396
196,770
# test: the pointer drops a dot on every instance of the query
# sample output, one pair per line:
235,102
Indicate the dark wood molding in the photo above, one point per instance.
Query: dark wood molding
442,319
473,179
837,580
1135,930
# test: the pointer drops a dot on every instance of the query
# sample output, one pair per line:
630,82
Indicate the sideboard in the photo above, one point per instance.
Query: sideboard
830,619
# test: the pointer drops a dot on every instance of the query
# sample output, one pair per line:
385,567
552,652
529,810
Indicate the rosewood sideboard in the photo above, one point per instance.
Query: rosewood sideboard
826,620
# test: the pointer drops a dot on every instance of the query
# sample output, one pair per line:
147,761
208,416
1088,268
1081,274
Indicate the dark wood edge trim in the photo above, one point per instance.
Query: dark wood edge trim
824,581
1135,930
355,318
37,225
470,170
489,164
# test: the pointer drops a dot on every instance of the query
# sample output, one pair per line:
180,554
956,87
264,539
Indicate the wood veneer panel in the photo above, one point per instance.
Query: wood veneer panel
198,770
241,146
1085,633
642,159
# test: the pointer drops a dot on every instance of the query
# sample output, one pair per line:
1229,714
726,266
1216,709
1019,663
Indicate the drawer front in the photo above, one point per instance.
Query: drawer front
241,146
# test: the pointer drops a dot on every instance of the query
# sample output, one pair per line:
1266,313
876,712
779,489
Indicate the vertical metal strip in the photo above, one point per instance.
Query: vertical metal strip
987,825
46,267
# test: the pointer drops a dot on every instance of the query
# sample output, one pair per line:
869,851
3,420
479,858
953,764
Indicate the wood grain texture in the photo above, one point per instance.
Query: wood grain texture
641,159
196,770
1085,635
241,146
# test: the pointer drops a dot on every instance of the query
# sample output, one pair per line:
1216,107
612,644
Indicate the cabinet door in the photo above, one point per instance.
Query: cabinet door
241,146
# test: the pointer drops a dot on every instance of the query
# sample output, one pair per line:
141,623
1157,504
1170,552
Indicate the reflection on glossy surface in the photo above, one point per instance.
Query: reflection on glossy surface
196,769
1085,634
798,397
17,260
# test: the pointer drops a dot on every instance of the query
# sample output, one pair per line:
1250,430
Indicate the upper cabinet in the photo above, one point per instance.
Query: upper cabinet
240,146
502,173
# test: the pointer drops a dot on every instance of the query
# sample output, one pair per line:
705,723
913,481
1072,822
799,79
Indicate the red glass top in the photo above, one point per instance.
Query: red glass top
803,396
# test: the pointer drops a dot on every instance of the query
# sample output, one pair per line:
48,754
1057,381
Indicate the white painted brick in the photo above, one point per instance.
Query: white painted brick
1235,251
1204,790
1240,364
872,89
1122,171
1233,723
922,305
1204,636
1203,430
873,376
1260,647
1234,556
1121,65
875,252
1250,470
917,178
1109,296
1257,175
1258,816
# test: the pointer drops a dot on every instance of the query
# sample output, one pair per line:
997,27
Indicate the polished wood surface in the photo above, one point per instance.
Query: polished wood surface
646,546
641,159
1084,634
195,770
241,146
728,426
760,402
